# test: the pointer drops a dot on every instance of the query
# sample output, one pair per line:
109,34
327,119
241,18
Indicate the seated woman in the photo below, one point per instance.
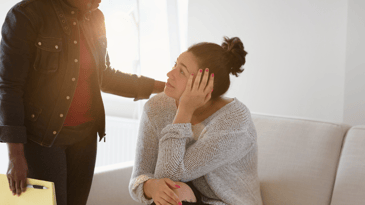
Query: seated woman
193,137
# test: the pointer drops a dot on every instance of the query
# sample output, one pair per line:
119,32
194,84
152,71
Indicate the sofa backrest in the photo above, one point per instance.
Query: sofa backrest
350,180
298,159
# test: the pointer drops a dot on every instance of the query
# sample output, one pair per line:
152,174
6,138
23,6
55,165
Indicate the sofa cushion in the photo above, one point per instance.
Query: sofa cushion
350,180
297,159
111,187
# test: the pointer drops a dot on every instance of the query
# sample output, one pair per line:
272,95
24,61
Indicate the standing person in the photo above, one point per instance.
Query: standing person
53,65
192,136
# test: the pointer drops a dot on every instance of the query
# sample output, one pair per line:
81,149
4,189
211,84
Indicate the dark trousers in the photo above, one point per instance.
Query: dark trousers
196,193
69,163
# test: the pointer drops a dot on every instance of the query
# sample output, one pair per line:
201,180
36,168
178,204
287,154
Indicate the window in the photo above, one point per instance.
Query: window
144,37
157,31
150,48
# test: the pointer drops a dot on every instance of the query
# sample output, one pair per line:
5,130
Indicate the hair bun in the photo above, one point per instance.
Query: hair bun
237,54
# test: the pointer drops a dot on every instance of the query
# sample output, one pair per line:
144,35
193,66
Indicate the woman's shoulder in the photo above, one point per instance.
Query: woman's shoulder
233,115
159,105
161,99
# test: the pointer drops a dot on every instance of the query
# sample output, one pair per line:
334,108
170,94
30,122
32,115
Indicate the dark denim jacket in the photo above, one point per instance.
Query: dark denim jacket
39,68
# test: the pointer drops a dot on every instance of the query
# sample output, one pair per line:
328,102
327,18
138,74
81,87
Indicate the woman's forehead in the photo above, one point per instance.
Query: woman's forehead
188,59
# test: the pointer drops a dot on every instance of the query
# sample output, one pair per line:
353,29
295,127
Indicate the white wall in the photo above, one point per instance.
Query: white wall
296,52
354,107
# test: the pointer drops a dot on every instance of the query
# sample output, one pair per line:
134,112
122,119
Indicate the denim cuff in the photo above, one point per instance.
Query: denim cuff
145,87
13,134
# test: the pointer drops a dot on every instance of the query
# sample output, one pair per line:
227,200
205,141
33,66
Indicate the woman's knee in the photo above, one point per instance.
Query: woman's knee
185,193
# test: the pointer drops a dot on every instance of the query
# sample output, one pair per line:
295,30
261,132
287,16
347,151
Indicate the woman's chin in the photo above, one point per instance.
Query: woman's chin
169,92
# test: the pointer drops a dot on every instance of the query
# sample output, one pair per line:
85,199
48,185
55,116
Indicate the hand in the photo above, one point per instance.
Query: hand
17,173
159,86
162,192
196,96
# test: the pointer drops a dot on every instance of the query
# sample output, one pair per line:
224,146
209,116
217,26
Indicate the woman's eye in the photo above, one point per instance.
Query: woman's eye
181,71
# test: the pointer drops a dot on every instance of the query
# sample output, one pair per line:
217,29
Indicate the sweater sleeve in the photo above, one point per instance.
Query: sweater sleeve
214,149
145,160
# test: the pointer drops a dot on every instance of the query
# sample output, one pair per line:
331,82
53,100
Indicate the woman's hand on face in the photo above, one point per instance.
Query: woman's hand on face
196,95
162,192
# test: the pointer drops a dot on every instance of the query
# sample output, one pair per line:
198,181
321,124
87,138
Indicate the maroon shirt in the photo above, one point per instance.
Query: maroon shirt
80,109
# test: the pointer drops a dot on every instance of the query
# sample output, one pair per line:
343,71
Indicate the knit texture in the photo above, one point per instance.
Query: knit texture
219,155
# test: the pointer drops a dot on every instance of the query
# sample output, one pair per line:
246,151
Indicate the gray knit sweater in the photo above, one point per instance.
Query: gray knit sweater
219,155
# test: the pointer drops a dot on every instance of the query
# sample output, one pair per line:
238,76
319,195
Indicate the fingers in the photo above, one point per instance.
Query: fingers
18,189
188,84
23,184
210,85
170,193
204,80
197,80
9,182
203,85
171,197
17,186
12,186
171,184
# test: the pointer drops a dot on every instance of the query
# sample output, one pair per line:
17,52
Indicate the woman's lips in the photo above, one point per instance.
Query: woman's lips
169,85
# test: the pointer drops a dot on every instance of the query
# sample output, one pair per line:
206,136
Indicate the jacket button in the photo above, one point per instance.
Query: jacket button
73,79
33,116
56,46
61,115
68,97
72,12
76,60
74,23
75,42
54,132
39,43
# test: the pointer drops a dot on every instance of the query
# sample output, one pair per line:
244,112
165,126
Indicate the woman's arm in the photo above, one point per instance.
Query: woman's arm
213,150
145,160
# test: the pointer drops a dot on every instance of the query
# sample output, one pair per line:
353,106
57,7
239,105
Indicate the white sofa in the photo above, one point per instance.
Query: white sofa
301,162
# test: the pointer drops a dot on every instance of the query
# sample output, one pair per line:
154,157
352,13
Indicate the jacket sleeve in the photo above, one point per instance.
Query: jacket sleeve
145,160
18,37
123,84
214,149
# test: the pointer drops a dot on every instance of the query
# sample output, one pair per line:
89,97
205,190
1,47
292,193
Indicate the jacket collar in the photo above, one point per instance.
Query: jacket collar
62,10
59,7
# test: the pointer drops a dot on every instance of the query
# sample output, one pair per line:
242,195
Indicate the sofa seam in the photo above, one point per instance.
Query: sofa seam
308,120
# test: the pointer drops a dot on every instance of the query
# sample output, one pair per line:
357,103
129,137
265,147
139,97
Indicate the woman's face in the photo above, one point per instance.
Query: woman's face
185,65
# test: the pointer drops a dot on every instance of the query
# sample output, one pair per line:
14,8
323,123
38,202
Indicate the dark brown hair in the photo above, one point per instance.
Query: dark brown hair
221,60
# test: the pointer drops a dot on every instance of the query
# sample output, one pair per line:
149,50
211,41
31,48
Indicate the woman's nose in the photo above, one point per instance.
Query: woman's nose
169,74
